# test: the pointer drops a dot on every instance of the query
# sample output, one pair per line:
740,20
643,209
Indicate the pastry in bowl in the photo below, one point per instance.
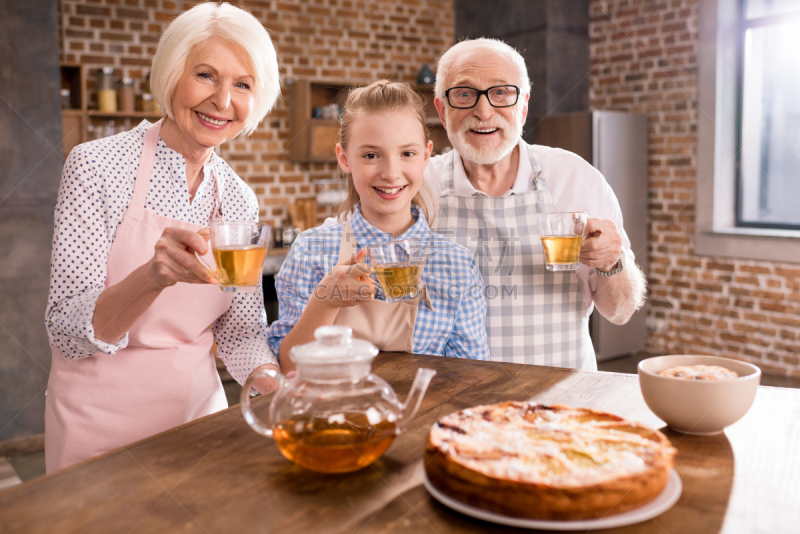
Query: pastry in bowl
699,372
546,462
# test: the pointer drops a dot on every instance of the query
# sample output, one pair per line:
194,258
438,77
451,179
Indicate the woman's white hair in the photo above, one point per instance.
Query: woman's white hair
227,22
452,54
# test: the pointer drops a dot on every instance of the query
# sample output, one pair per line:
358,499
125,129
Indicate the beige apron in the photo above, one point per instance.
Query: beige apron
387,325
533,315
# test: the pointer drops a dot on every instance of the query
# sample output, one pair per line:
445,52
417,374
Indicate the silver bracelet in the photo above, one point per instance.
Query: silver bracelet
617,267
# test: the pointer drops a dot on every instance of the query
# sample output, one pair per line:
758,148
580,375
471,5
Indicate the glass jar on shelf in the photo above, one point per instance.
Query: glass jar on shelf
93,131
65,99
106,92
127,102
147,104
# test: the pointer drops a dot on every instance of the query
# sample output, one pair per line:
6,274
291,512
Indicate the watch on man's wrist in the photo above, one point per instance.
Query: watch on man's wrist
615,269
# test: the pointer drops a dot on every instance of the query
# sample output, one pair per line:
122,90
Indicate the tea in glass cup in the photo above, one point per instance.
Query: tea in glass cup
239,250
562,236
398,266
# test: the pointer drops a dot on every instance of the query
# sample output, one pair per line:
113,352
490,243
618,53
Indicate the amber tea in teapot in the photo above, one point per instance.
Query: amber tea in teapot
334,416
333,447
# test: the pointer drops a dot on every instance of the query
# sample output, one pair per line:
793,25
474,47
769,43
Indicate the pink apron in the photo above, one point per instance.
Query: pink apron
165,376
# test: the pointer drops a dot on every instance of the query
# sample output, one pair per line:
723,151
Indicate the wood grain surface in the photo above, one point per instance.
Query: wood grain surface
216,475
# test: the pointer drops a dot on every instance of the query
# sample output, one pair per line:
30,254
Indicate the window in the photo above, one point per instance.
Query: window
768,189
747,202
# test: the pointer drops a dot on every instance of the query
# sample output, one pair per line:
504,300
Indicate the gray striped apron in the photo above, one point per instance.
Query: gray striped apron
533,315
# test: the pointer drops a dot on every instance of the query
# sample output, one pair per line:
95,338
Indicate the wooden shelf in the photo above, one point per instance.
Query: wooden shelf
313,140
325,122
73,129
74,121
73,77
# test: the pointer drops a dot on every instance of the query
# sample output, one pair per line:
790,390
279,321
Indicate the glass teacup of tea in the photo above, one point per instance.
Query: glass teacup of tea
239,250
398,266
562,236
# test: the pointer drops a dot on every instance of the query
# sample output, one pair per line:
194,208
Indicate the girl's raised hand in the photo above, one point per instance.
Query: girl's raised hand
347,284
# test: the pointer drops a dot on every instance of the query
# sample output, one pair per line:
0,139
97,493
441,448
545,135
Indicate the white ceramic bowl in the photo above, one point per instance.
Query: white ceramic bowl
701,407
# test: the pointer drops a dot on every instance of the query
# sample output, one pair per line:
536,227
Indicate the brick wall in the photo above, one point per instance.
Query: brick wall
644,59
353,41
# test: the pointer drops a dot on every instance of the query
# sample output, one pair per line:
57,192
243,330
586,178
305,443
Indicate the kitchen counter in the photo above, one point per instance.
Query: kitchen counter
217,475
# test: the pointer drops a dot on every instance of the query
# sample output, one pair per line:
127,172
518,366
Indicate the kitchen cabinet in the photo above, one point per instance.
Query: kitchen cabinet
312,138
76,119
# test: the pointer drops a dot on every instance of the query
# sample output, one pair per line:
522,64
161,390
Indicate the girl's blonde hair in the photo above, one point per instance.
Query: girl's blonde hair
382,95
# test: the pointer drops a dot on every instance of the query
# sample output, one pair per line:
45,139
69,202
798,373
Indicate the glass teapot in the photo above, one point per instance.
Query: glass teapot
334,416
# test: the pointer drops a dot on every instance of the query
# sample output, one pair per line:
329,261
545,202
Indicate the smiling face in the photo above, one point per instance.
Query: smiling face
214,97
484,134
386,154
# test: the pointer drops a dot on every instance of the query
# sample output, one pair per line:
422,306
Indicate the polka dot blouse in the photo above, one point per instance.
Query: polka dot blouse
96,188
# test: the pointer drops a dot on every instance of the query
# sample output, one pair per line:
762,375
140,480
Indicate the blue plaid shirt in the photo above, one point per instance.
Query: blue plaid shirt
455,327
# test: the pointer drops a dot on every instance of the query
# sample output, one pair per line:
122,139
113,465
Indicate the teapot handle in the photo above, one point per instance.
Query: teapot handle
254,422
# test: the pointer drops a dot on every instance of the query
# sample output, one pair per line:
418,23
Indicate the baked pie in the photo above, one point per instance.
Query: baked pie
547,462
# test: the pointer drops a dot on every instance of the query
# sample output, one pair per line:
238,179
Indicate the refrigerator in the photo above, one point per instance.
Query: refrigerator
615,143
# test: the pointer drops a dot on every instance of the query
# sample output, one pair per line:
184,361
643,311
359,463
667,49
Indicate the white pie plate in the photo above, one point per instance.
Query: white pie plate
662,503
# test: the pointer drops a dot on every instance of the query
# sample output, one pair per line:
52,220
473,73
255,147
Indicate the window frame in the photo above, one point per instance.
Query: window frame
743,24
718,128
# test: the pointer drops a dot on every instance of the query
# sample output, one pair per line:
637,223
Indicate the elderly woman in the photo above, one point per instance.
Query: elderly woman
130,306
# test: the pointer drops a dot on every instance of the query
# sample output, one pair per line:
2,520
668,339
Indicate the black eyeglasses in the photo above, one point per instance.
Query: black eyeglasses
499,96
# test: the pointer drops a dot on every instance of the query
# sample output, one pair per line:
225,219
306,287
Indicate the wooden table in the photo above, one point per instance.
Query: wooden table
217,475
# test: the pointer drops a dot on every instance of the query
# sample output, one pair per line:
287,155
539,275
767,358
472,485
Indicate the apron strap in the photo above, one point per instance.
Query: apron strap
541,192
216,214
142,183
539,177
423,290
348,245
448,185
423,295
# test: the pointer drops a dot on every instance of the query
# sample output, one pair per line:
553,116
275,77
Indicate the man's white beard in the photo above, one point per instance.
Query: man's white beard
486,155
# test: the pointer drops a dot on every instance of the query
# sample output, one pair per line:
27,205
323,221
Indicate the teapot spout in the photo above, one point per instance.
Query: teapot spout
414,399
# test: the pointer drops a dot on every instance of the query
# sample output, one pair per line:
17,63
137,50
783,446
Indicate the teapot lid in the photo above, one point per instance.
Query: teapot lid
333,345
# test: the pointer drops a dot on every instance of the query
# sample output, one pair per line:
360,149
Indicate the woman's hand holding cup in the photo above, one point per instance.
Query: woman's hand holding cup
175,261
348,284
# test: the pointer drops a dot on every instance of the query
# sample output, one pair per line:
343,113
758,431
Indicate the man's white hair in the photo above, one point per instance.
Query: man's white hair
452,54
227,22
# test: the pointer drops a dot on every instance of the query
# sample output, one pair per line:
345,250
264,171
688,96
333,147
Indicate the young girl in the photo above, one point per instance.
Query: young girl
326,279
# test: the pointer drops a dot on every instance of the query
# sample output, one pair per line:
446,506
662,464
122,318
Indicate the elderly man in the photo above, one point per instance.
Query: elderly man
489,190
